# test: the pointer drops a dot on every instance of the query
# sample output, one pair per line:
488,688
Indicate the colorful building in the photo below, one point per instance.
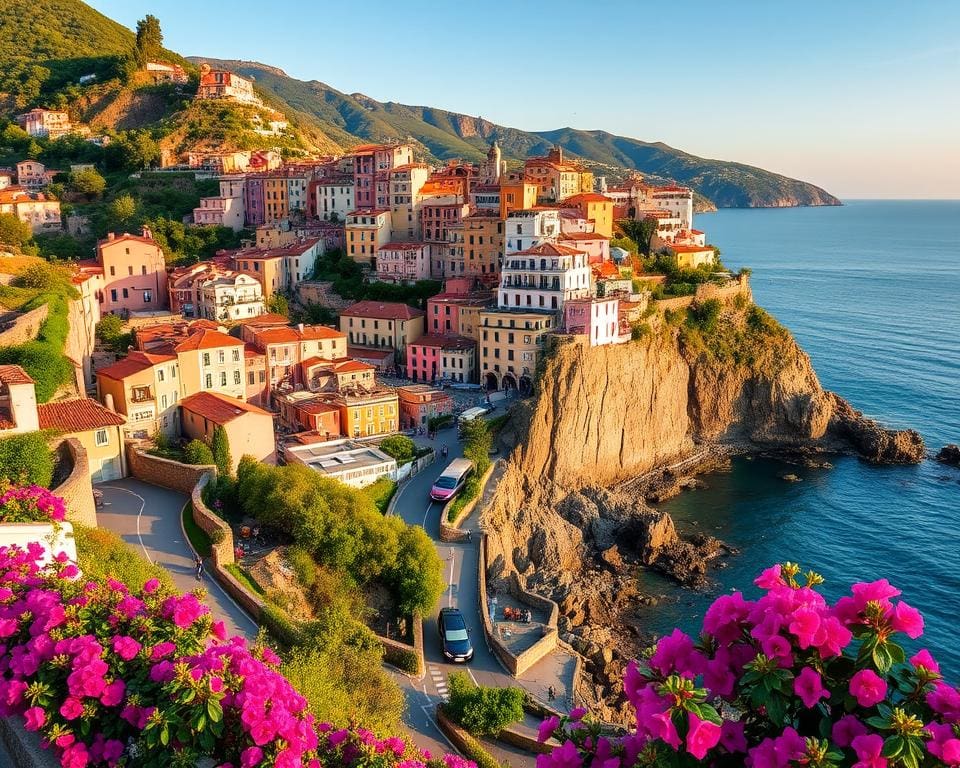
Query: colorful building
335,197
367,230
420,402
596,318
527,228
403,263
372,164
544,277
364,413
222,84
145,388
45,123
249,429
225,210
382,324
510,343
406,182
280,269
134,273
595,208
517,195
38,210
556,178
305,412
447,358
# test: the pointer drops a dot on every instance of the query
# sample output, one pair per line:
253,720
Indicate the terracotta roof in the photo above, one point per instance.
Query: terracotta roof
288,334
370,353
588,197
402,246
444,342
548,249
382,310
207,339
368,212
270,318
294,249
315,407
126,236
218,408
314,332
14,374
77,416
135,362
583,236
251,351
688,248
340,365
605,269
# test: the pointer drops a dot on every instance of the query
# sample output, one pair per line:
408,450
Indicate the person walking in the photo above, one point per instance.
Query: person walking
551,693
198,562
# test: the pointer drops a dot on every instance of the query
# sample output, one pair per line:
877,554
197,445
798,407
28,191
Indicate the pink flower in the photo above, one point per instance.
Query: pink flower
950,752
661,727
578,713
724,617
702,736
675,653
846,729
251,757
868,688
71,708
808,685
113,693
125,647
804,624
219,630
75,756
151,586
732,738
547,727
565,756
869,747
923,658
34,718
770,578
907,619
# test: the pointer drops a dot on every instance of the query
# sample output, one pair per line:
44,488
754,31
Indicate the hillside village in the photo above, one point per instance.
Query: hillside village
522,255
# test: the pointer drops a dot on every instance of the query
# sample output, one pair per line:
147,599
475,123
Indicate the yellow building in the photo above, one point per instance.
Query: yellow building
596,208
366,232
483,245
517,196
249,429
99,431
510,345
365,413
275,203
145,388
691,256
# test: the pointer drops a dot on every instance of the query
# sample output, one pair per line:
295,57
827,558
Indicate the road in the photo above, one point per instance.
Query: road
148,518
460,568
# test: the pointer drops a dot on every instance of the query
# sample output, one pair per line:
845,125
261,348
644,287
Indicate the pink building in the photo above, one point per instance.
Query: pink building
432,358
403,262
595,318
596,246
372,164
133,271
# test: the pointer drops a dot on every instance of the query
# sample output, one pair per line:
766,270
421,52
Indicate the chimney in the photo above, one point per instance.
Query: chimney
110,235
300,327
108,402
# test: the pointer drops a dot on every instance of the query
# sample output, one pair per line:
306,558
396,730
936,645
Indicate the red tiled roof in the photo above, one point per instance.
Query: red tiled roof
382,310
134,362
688,248
588,197
402,246
374,353
14,374
207,339
368,212
340,365
314,332
218,408
77,416
288,334
270,318
444,342
251,351
548,249
605,269
583,236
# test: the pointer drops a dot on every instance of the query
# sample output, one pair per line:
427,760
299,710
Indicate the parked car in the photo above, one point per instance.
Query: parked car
452,480
454,636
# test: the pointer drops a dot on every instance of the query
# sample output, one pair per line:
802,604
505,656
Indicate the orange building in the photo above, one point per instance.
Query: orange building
249,428
596,208
517,196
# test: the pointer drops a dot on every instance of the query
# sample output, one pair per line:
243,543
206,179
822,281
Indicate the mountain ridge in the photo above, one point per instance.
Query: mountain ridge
444,134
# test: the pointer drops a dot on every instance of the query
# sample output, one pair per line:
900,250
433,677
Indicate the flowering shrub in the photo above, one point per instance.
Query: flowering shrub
784,680
30,504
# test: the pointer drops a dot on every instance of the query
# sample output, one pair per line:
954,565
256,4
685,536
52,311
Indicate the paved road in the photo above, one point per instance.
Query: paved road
460,568
148,518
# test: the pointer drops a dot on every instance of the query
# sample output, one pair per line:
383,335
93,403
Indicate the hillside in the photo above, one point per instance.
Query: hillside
442,134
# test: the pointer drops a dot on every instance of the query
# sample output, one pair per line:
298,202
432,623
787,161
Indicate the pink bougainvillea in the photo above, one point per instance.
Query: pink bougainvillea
783,681
30,504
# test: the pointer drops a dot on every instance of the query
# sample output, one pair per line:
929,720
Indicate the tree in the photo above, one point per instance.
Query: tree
149,39
198,452
483,711
87,182
220,448
278,304
400,447
122,212
13,231
40,277
478,442
641,232
417,576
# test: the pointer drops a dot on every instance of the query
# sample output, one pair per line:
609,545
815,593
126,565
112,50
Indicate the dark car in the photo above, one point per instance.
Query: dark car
454,635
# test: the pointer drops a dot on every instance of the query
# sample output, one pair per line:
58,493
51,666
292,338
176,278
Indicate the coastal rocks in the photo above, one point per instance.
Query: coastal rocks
791,478
950,454
687,561
873,442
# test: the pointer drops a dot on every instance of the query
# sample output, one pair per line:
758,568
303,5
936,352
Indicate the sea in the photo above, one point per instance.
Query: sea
871,290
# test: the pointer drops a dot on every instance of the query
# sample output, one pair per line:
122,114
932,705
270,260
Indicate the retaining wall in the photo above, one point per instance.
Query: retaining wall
166,472
733,288
24,327
221,534
76,489
451,531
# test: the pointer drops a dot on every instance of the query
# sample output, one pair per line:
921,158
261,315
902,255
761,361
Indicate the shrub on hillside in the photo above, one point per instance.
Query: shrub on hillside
400,447
197,452
110,331
13,231
381,492
416,576
481,710
704,315
785,680
26,460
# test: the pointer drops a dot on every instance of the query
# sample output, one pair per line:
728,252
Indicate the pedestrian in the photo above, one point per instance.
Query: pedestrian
551,694
198,561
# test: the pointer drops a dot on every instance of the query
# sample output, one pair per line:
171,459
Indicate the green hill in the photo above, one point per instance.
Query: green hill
440,134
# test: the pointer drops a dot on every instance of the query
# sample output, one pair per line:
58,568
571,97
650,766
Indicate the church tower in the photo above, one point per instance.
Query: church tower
492,166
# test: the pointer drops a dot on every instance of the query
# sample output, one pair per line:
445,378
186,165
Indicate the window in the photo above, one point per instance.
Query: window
220,356
263,376
206,358
143,269
113,293
163,401
130,271
208,381
223,378
236,377
160,374
251,378
113,271
147,297
126,293
102,437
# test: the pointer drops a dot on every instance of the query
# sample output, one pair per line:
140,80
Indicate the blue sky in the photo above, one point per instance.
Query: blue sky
860,97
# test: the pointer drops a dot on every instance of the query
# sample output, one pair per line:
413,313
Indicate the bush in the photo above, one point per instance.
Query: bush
381,492
787,679
302,565
197,452
483,711
110,331
417,576
436,423
13,231
400,447
220,450
26,460
103,555
478,442
639,330
87,182
704,315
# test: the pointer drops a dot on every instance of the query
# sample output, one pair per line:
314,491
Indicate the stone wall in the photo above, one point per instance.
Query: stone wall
221,535
705,291
450,531
23,327
76,488
164,472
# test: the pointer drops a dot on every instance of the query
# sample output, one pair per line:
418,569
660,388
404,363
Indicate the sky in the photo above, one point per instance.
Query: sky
861,97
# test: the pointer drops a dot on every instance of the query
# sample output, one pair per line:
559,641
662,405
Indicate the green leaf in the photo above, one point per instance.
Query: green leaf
164,735
893,746
878,722
214,710
881,658
896,653
707,712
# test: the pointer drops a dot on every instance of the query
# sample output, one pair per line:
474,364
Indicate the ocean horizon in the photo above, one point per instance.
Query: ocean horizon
871,291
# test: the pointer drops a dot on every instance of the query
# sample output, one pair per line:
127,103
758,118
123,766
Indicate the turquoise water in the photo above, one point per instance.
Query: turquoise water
872,292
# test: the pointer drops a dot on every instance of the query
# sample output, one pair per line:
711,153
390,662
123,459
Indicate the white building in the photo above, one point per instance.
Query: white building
406,181
403,263
596,318
230,297
335,198
677,200
543,277
348,461
525,229
225,210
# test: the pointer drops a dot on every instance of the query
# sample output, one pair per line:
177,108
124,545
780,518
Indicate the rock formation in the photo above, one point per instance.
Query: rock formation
950,454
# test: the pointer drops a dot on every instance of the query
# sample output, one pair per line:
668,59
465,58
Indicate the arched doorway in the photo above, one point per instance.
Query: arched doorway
526,385
509,382
490,382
